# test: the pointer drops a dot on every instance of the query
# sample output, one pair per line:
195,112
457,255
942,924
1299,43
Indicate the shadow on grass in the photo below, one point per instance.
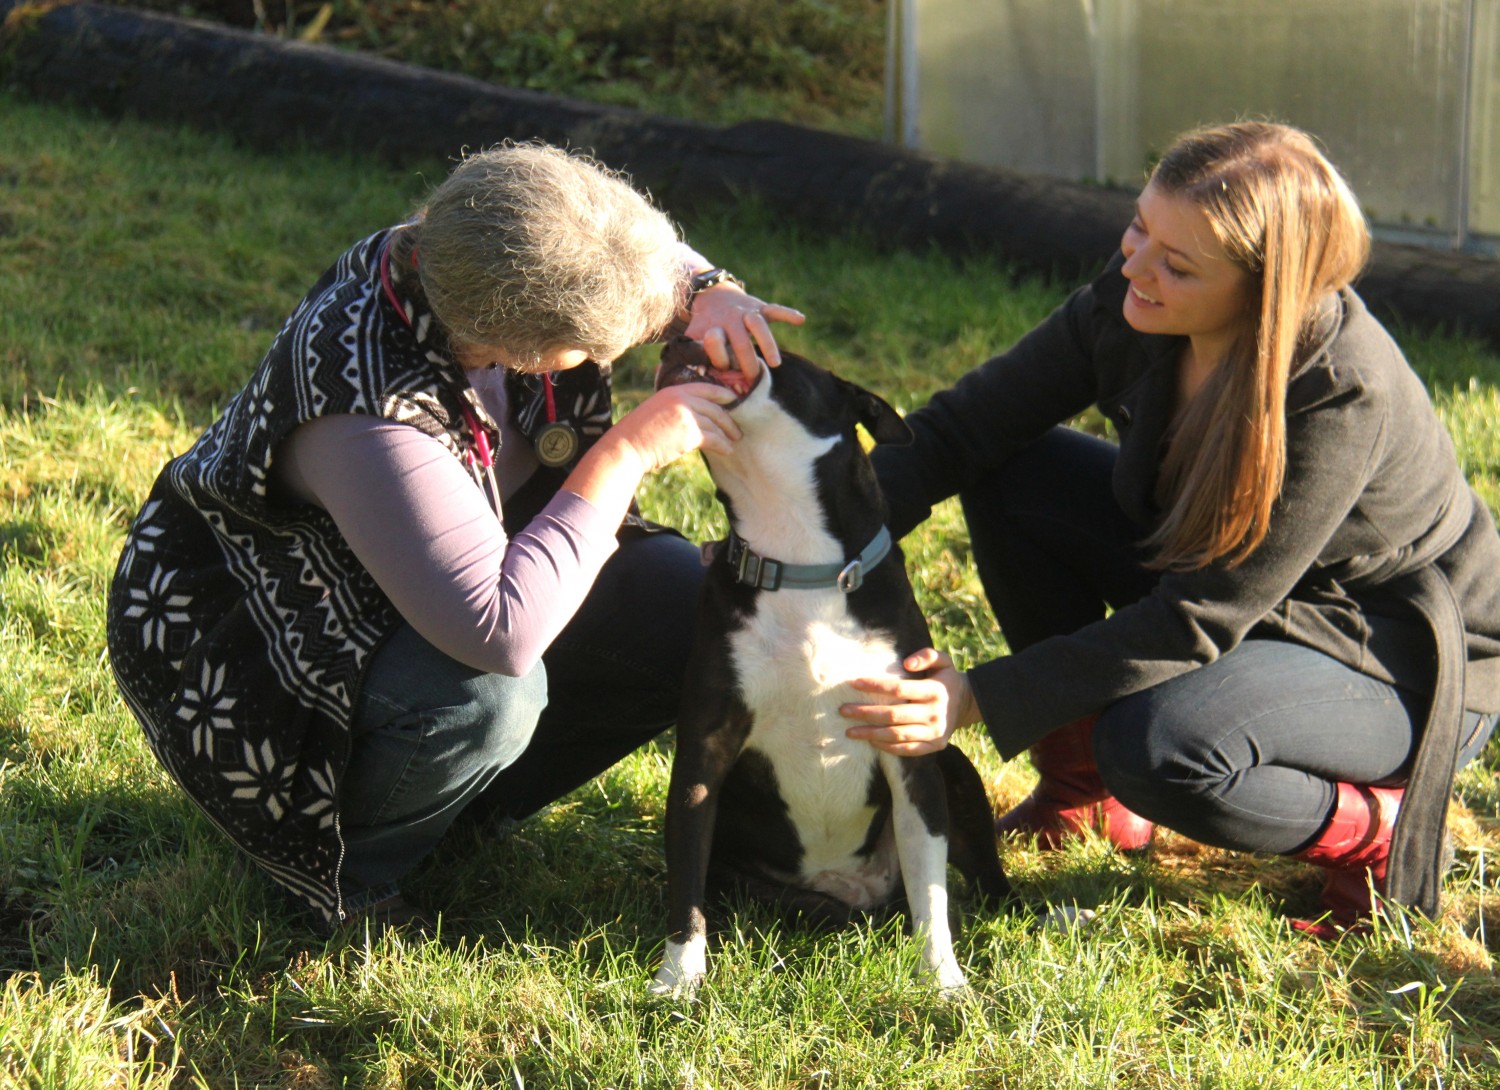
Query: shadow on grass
123,879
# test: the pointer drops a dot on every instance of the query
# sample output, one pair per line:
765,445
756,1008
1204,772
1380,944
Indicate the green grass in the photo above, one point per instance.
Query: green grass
813,62
142,273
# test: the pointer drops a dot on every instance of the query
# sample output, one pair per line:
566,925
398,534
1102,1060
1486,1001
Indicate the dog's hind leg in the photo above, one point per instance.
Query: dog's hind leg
919,811
971,828
808,909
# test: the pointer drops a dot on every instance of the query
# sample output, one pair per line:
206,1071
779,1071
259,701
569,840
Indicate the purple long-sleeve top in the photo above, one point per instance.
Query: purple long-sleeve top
425,530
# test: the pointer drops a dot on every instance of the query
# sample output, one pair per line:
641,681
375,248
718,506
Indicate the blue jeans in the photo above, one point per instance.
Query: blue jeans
1242,753
433,738
1246,751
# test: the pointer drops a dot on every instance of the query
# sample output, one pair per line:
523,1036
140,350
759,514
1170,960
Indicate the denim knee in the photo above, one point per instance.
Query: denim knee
504,712
1141,750
429,754
429,736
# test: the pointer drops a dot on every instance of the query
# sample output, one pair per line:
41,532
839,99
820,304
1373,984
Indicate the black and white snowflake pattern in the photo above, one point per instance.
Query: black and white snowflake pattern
157,608
206,707
239,630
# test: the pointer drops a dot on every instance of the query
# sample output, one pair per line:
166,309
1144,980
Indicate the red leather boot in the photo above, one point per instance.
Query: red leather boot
1070,798
1353,847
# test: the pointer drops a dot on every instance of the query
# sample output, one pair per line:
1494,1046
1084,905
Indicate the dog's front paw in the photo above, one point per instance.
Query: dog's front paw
947,977
682,969
668,983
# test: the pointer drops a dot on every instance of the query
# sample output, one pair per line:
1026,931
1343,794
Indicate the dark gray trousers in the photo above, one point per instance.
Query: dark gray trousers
1243,753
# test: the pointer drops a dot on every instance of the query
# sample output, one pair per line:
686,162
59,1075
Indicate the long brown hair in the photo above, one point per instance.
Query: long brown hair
1285,215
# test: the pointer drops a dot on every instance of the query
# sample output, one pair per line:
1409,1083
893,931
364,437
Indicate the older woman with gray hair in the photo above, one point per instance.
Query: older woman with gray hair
402,575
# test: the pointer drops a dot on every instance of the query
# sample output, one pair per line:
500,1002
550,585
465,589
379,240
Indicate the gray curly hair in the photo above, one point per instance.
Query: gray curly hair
531,249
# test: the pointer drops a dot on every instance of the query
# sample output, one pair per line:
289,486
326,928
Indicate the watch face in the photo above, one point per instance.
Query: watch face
709,278
556,444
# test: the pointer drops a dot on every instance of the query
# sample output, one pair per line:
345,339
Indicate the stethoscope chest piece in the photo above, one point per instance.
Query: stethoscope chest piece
556,444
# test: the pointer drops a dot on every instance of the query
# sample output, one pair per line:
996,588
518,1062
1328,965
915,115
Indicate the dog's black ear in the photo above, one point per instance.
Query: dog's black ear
884,423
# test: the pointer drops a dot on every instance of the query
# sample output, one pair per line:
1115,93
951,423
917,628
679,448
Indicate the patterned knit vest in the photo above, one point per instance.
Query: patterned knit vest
240,624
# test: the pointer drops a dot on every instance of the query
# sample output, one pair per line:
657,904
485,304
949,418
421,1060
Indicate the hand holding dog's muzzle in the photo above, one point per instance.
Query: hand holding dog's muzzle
677,420
735,327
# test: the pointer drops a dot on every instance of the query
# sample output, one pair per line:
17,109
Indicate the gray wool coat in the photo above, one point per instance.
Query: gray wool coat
1375,518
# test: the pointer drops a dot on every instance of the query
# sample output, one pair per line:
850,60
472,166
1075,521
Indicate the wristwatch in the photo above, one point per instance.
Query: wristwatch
708,278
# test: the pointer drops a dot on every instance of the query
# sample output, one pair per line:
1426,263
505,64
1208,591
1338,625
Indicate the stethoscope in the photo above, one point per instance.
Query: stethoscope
556,442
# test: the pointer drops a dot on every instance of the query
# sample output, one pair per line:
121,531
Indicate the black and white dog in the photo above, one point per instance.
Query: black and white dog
767,794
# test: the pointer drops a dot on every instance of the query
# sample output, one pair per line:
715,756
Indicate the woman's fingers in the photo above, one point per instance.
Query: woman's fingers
909,715
717,427
735,328
775,312
742,345
716,345
904,739
919,662
679,419
707,404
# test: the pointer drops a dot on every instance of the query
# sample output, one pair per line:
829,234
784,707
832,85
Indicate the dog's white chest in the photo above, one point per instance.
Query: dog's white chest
794,660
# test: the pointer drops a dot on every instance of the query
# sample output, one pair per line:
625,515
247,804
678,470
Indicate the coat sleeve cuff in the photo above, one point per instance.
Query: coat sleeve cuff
1012,725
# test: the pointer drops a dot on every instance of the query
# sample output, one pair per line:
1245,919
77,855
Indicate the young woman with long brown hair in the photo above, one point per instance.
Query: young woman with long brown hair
1268,617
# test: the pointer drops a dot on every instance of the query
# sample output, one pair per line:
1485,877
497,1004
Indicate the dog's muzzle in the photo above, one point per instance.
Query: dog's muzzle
684,360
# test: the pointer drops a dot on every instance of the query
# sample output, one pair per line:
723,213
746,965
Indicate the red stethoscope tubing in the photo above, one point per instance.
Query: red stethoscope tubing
486,456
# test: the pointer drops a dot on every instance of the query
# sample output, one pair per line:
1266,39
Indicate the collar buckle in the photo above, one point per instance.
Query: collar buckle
751,569
852,577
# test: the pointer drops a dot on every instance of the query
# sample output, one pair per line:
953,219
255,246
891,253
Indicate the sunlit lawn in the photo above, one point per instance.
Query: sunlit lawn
142,272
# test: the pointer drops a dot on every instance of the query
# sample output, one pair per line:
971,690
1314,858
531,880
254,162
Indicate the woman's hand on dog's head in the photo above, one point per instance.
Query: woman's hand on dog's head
735,327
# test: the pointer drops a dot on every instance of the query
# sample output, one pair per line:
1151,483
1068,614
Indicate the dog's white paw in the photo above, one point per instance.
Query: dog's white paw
953,987
683,966
681,989
1067,918
946,976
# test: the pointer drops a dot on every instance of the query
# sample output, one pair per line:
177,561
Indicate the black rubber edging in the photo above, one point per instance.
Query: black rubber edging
272,93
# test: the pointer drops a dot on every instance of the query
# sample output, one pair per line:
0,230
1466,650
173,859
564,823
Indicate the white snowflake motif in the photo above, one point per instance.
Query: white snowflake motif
157,608
143,539
263,779
207,708
321,806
